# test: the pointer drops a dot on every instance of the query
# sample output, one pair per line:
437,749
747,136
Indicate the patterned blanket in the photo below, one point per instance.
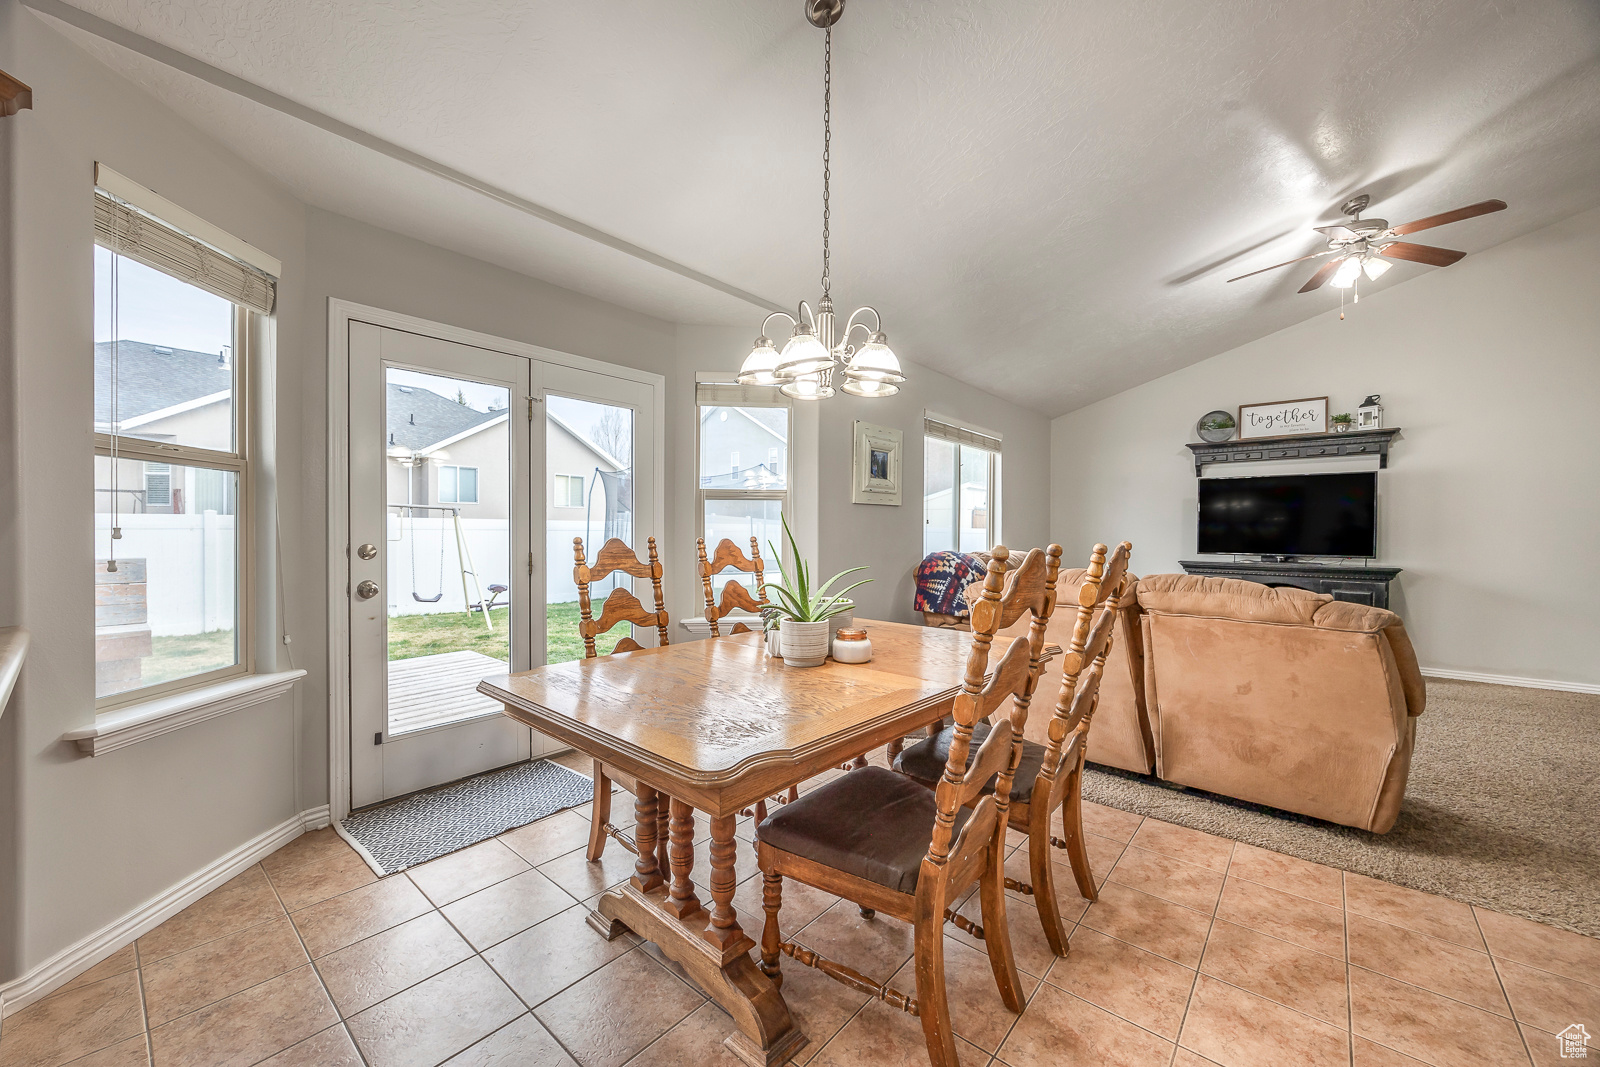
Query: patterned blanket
942,577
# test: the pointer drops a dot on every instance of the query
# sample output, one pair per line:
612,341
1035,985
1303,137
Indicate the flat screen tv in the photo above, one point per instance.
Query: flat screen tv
1291,515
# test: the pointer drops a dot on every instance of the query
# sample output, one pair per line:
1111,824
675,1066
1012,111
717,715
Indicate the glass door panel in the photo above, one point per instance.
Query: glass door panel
589,463
447,467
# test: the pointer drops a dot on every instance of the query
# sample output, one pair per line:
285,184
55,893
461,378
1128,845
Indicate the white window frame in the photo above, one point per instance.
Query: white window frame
960,432
713,394
458,468
565,481
239,462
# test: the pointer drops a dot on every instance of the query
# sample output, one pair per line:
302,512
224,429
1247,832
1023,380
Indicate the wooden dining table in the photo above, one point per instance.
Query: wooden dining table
716,726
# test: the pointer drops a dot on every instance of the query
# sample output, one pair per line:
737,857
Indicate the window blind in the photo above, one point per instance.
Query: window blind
960,434
130,232
739,396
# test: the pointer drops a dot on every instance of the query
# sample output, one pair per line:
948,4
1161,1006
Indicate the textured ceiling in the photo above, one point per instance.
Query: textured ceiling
1043,198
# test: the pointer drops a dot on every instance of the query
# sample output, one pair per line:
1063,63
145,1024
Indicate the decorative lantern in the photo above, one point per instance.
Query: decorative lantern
1369,416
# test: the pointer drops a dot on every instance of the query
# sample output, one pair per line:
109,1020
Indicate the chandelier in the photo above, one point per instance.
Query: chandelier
805,368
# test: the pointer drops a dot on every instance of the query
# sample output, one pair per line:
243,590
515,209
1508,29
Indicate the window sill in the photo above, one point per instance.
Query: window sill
701,628
152,718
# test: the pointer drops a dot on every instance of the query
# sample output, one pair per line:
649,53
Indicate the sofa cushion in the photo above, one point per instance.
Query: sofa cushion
925,760
870,822
1228,598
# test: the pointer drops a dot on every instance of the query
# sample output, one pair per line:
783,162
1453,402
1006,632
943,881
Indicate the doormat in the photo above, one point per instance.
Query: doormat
432,824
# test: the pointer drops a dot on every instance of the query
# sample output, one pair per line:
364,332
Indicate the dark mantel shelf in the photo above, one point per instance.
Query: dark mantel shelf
1359,584
1298,446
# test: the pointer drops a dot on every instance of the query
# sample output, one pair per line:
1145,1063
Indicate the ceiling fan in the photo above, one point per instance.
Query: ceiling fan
1359,245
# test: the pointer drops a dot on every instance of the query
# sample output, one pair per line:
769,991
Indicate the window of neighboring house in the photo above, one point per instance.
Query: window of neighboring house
961,488
735,501
172,457
458,485
569,491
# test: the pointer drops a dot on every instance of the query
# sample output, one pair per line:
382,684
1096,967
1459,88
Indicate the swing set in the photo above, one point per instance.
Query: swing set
463,561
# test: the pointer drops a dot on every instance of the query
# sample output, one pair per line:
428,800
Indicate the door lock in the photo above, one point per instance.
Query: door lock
367,589
367,551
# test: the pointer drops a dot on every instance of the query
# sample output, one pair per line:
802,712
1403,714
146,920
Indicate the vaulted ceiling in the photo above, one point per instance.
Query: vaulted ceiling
1044,198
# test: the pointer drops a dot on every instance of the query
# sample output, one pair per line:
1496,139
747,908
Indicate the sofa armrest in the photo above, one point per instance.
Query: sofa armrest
1405,659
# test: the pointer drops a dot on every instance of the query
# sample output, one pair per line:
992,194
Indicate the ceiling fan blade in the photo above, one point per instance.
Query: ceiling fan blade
1324,272
1337,232
1449,216
1275,266
1437,257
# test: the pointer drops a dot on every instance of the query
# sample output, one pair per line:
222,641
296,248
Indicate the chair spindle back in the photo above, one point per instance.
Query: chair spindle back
734,594
1031,588
621,605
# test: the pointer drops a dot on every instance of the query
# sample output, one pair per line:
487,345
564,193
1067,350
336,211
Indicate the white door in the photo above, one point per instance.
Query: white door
462,517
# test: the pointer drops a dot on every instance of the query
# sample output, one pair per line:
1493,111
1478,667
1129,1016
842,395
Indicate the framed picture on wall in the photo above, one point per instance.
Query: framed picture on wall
1283,418
877,465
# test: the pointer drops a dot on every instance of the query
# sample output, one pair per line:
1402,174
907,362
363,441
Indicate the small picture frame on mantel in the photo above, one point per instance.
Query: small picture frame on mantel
1283,418
877,465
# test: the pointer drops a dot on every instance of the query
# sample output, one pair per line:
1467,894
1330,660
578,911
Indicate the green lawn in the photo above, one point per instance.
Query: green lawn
425,635
187,654
409,636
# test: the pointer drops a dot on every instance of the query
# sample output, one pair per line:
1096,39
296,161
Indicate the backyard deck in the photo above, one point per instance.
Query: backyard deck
434,690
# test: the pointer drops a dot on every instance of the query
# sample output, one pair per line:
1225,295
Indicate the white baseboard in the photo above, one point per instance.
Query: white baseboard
73,960
1511,679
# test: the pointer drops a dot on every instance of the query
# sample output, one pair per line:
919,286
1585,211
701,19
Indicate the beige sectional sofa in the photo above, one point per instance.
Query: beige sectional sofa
1277,696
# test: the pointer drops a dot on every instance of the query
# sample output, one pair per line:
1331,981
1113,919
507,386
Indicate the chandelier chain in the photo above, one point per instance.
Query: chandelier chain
827,144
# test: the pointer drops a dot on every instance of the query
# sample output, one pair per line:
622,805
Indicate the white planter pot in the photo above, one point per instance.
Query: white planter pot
805,644
775,643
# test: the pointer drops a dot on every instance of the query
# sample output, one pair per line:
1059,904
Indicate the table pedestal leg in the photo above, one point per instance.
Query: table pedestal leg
709,944
682,902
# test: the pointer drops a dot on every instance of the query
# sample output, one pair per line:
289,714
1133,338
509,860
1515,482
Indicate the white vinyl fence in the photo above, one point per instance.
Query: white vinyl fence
423,561
191,567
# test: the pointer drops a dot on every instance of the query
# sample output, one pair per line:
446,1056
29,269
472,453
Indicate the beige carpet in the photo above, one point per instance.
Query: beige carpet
1502,809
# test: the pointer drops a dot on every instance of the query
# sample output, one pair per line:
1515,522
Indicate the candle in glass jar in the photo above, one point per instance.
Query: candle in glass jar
851,646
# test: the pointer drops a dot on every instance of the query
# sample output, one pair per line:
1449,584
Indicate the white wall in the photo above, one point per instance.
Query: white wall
90,839
1491,501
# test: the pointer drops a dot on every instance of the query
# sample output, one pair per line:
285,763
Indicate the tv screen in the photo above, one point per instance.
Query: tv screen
1293,515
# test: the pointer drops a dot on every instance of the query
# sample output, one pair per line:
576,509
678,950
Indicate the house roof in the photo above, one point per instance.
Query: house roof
152,378
420,418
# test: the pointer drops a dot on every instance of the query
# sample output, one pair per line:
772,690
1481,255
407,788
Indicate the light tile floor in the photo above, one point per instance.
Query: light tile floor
1199,952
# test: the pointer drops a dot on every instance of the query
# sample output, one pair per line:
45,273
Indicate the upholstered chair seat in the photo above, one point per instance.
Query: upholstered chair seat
871,822
924,761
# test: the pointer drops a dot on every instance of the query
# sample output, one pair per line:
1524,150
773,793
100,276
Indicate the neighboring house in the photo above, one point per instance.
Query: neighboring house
445,453
746,445
164,394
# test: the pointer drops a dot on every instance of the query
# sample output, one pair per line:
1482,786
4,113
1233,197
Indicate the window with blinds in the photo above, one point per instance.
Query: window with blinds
743,448
171,451
961,487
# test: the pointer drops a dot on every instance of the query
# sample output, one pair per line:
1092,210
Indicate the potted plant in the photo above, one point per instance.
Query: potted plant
805,609
1341,422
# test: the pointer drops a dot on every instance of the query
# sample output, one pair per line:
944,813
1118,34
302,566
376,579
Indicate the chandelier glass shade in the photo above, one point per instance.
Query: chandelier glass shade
810,359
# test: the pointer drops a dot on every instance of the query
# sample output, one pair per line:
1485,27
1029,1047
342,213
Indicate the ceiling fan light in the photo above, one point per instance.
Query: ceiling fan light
803,355
760,366
1375,267
874,362
1346,275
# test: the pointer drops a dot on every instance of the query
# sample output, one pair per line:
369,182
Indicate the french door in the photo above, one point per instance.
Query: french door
471,471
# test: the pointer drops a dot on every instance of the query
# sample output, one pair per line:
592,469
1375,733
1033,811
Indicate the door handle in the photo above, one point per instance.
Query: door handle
367,589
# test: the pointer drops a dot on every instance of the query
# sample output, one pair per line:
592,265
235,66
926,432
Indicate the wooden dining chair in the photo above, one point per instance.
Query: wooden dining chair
1049,777
883,841
620,606
734,594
